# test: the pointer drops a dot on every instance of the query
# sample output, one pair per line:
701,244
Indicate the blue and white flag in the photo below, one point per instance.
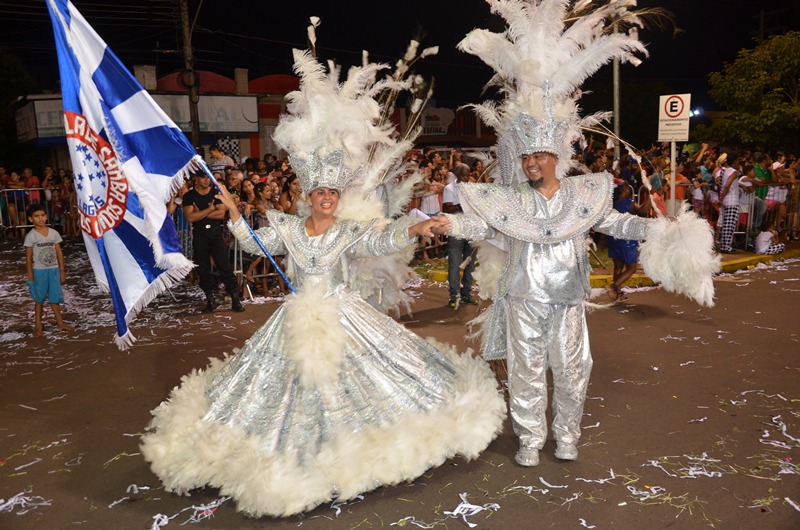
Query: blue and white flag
128,158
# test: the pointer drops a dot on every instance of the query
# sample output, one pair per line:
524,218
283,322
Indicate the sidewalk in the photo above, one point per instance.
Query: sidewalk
602,276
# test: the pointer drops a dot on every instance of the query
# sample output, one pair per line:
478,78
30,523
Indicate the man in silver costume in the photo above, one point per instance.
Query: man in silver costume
536,219
538,318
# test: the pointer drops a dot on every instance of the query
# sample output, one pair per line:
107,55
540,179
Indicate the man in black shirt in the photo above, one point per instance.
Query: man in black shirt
203,209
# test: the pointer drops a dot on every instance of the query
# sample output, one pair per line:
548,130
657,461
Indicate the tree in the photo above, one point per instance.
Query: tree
761,89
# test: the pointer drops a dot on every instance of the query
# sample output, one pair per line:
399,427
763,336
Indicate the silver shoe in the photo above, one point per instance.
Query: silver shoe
566,451
527,457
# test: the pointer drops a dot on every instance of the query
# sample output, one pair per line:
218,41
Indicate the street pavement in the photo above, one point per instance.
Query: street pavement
692,421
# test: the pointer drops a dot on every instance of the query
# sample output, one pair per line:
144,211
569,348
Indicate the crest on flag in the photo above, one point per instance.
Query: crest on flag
100,185
128,158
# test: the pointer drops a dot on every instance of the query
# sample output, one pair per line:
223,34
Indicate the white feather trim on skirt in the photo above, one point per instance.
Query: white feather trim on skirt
247,426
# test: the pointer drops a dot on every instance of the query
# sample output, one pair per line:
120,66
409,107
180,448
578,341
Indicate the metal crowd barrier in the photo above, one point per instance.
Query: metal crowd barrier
261,272
748,211
14,204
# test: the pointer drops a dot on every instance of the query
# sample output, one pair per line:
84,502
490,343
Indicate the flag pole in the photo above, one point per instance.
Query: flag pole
255,237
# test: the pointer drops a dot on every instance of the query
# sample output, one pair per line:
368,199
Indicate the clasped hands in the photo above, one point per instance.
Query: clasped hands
436,225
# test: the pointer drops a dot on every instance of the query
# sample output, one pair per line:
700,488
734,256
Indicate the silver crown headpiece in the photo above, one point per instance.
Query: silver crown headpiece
329,171
548,49
544,135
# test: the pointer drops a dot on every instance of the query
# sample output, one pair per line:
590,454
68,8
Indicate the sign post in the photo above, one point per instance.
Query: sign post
673,126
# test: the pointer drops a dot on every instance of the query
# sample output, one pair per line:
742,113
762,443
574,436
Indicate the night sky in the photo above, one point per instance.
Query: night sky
260,37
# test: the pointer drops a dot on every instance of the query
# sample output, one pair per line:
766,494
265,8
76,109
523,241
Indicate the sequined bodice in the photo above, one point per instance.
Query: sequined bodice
322,258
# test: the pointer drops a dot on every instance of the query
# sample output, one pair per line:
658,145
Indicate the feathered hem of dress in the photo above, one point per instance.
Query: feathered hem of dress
188,452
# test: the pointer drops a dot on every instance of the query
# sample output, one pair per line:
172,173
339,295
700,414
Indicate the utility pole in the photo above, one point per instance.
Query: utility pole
616,108
190,76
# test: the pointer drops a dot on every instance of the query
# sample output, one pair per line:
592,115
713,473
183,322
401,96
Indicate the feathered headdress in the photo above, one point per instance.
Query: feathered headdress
548,50
341,135
338,134
330,127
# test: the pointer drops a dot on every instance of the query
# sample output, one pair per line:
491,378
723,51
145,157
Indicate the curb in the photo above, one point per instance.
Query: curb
747,261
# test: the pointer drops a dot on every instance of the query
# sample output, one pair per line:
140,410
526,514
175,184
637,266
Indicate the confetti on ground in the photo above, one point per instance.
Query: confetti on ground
413,520
637,383
23,502
466,509
123,499
36,461
115,458
199,513
599,481
337,505
528,490
543,481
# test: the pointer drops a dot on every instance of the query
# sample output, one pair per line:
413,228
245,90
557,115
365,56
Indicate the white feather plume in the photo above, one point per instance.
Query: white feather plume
680,255
549,47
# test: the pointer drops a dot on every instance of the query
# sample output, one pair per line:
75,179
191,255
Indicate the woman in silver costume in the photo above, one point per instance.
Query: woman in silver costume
330,398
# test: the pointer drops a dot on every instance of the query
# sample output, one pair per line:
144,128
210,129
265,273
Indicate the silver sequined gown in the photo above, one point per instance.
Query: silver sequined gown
538,320
290,421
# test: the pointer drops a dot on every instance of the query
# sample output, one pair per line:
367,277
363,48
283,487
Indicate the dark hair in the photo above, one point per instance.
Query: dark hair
260,187
289,180
619,189
766,224
35,207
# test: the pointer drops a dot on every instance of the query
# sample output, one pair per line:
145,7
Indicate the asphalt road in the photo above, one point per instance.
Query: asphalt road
692,421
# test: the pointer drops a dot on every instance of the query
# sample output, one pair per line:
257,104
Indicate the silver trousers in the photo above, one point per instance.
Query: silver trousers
542,336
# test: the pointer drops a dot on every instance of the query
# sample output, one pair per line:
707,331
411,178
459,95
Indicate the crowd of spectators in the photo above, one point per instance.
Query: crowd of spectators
756,185
260,185
55,189
762,185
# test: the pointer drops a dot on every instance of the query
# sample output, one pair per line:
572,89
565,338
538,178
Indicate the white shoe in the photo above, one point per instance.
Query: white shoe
527,457
566,451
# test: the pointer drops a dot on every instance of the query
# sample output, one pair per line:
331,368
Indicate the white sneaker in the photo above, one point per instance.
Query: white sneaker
527,457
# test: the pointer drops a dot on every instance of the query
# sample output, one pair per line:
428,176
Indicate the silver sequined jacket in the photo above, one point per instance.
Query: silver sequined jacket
510,213
326,260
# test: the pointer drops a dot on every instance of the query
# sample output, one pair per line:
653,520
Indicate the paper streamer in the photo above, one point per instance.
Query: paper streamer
465,509
24,502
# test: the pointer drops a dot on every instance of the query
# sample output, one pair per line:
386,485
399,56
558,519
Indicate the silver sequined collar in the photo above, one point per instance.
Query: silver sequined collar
510,210
324,254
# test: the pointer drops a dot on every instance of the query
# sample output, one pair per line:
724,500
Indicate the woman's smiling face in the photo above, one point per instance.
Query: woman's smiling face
323,201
